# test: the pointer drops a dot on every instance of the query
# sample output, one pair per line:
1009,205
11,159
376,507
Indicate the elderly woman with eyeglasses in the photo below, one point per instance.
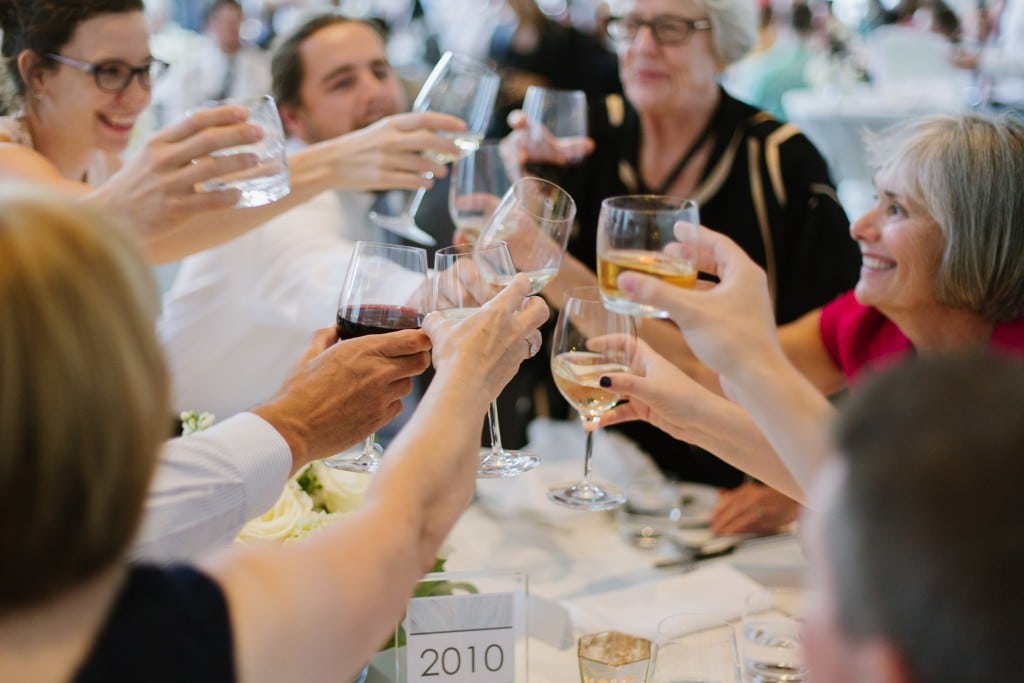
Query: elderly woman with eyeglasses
759,181
80,73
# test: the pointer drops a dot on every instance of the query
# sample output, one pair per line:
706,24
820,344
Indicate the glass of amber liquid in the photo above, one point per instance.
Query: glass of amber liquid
651,234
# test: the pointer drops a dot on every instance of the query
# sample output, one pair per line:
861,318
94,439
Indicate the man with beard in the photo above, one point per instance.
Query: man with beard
239,316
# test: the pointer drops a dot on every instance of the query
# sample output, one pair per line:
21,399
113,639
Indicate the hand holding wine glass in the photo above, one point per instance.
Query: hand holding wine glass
590,341
382,293
462,87
465,277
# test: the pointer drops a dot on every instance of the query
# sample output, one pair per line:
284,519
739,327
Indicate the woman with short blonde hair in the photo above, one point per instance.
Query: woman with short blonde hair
83,408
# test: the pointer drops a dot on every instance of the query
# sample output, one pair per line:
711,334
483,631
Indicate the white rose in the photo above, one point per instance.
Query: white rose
339,491
278,523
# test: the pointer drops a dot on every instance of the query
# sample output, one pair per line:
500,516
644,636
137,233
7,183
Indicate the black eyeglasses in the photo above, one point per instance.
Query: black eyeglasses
667,30
113,75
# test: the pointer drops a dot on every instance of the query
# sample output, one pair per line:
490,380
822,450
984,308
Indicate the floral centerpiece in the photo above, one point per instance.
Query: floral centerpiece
313,499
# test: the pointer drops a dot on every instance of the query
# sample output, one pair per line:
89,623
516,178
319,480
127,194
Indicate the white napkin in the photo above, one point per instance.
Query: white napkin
715,589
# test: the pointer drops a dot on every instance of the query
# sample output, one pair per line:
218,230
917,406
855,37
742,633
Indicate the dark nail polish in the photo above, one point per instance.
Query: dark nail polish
605,382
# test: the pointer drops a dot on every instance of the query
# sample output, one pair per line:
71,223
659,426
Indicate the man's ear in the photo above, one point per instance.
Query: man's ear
294,122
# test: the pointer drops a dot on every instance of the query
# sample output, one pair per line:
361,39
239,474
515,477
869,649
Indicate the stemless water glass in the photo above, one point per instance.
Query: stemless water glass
464,278
383,291
590,341
650,234
462,87
478,182
557,114
268,181
771,636
695,648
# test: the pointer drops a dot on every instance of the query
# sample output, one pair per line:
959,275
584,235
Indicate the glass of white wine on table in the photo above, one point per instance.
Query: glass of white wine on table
385,290
590,341
462,87
650,234
464,279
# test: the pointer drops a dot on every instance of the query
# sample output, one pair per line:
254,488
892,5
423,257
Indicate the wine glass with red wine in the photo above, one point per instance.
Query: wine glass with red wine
384,291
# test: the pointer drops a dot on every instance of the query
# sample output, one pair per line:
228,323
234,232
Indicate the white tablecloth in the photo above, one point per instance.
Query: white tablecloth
576,562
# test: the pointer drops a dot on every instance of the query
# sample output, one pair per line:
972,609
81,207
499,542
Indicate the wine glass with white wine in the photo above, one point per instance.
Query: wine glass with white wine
462,87
590,341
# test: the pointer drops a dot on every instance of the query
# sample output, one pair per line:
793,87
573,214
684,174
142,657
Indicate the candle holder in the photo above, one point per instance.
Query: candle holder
613,657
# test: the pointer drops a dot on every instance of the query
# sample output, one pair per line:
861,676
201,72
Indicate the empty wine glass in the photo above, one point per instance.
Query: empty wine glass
590,341
558,118
535,218
462,87
383,292
464,279
478,182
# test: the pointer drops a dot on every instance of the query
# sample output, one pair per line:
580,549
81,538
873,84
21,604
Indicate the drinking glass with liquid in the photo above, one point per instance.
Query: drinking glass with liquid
269,180
651,234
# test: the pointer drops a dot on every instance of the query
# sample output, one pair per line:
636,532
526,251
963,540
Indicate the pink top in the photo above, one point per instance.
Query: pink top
859,337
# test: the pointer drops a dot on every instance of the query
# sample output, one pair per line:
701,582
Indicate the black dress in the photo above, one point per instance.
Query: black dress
166,625
765,186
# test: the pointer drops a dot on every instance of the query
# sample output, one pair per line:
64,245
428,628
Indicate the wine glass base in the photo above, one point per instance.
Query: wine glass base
403,226
505,464
365,463
583,496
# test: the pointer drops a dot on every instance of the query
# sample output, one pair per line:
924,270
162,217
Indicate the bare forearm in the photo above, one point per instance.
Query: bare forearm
792,413
727,430
309,176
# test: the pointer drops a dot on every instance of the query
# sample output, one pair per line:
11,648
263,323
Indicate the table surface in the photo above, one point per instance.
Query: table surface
570,556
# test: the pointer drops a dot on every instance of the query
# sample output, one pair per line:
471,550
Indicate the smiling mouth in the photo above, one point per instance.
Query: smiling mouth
872,263
119,122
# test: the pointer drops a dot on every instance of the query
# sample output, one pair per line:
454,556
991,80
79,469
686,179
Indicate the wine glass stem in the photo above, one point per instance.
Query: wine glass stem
589,447
417,199
492,420
370,447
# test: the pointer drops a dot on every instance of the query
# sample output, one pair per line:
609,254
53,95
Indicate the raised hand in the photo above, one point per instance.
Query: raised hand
340,392
388,154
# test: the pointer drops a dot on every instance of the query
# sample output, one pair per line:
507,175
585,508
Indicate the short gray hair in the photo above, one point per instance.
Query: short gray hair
966,171
733,28
915,563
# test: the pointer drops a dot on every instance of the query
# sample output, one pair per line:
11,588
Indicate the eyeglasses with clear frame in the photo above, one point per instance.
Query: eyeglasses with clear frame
667,29
114,75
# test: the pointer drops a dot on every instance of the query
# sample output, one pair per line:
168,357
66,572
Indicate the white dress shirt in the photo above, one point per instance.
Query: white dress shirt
208,485
239,316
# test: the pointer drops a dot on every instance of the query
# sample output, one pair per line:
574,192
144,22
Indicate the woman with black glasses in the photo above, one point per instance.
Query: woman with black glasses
761,182
80,73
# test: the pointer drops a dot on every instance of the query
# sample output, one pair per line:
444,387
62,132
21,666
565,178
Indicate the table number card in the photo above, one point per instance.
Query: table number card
469,637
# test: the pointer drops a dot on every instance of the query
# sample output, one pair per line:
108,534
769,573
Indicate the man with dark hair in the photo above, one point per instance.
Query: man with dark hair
331,76
915,539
